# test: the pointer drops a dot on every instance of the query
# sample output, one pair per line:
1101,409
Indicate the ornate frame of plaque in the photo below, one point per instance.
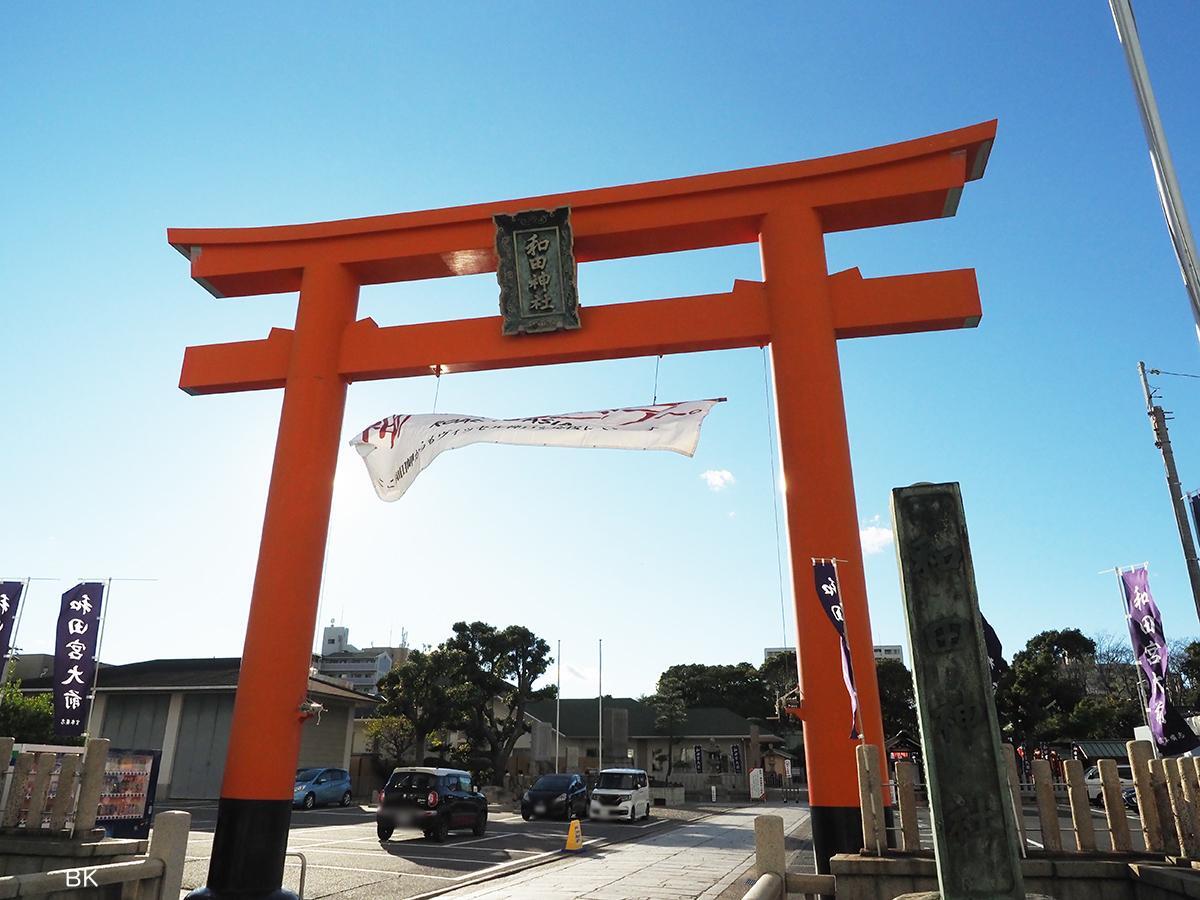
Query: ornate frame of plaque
536,271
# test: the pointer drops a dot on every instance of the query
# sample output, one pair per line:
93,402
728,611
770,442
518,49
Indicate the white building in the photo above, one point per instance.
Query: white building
359,669
882,651
890,651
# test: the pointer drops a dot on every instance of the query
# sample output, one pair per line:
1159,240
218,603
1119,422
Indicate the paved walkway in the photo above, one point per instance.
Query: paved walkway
699,860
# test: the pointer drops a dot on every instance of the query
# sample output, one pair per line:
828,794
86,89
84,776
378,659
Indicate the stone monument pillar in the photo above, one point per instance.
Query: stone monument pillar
974,832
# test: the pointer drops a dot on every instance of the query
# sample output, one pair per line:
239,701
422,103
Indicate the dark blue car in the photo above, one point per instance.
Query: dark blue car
321,786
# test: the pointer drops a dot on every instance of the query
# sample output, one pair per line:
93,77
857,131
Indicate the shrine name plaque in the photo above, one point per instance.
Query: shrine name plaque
536,271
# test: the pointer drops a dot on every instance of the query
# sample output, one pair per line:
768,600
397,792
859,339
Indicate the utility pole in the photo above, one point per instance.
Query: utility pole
1158,422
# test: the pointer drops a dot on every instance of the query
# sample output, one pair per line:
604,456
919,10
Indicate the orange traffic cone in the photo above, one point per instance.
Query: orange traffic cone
574,836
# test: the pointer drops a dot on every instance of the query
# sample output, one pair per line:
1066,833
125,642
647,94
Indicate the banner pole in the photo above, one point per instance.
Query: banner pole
104,598
557,704
600,708
12,642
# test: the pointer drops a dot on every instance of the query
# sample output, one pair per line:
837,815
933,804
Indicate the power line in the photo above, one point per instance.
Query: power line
1179,374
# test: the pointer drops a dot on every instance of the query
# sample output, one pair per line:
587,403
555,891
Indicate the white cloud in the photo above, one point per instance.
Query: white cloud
875,537
717,479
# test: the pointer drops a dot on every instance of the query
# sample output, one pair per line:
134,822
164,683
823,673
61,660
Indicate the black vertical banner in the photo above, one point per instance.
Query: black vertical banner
76,642
995,651
830,593
10,598
698,755
1194,503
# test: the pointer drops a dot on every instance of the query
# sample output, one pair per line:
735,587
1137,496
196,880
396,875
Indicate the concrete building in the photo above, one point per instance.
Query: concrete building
639,743
882,651
890,651
184,708
359,669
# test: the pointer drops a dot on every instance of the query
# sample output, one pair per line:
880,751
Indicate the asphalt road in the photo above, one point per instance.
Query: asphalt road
344,857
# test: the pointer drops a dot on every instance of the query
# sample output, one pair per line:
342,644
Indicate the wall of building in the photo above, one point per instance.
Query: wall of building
192,731
327,743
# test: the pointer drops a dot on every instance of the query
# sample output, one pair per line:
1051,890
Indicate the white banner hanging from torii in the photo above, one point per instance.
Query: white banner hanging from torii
398,448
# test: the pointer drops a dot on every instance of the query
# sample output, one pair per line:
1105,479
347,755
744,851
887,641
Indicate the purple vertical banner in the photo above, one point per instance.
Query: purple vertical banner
1171,733
830,594
75,645
10,599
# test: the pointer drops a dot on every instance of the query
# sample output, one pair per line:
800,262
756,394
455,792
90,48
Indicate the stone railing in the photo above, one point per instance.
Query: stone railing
770,857
49,842
1155,859
156,876
1167,808
38,800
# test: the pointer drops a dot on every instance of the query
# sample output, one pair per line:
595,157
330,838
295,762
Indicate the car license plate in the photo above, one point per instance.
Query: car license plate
540,809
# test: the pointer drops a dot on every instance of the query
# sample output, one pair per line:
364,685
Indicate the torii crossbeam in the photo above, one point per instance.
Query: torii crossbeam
799,309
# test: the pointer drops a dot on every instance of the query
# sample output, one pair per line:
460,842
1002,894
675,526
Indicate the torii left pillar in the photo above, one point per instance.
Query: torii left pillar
799,309
247,853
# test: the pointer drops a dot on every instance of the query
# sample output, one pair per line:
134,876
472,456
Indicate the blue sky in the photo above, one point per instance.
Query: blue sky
123,120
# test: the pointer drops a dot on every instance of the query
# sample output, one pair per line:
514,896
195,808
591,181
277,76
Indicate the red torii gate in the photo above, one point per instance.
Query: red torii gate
800,309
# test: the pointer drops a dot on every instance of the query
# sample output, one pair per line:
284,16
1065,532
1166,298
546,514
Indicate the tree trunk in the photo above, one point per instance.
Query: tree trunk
419,747
499,764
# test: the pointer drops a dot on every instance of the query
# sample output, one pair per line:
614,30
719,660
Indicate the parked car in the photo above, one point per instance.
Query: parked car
321,786
557,796
433,800
1129,795
621,794
1095,792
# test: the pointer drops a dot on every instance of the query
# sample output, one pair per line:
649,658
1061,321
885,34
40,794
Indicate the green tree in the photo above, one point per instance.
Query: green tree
428,689
390,737
670,714
740,688
1102,716
27,718
896,698
779,673
499,667
1187,659
1047,680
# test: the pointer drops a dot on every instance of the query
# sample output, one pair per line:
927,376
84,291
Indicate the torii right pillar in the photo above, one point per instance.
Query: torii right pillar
806,307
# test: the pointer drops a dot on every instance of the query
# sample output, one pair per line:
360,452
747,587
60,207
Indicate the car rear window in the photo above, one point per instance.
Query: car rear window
411,781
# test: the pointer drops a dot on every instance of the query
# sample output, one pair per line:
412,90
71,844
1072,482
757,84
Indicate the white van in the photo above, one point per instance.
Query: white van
1091,780
621,794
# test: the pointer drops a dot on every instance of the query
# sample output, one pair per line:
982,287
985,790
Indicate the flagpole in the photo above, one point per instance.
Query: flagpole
12,641
862,737
104,598
1137,669
600,707
557,705
1169,193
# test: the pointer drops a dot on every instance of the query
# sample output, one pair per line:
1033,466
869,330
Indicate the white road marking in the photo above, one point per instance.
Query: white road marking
372,871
